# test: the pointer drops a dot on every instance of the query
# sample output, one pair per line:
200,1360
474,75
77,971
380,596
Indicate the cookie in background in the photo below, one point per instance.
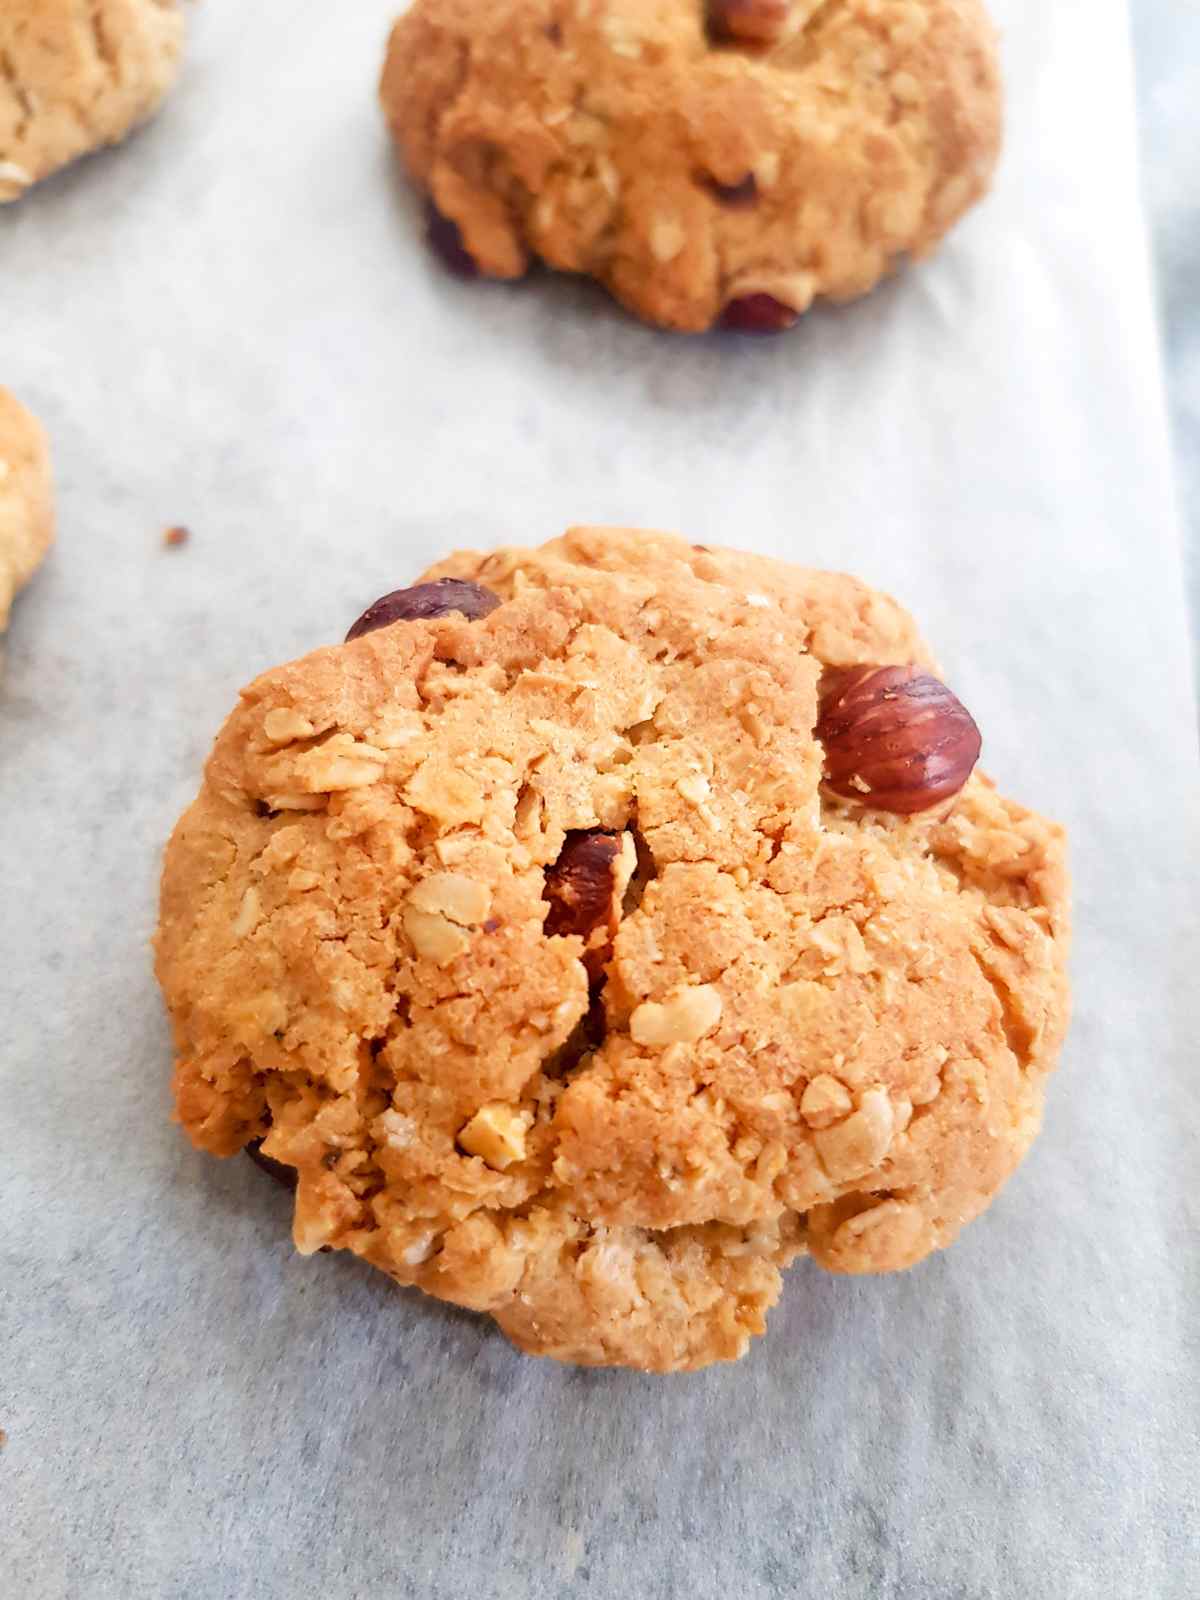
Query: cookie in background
727,163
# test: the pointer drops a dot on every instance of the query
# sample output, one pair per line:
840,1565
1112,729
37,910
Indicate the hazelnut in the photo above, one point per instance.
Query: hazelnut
496,1134
895,738
750,21
758,313
425,601
434,936
685,1016
283,1174
585,889
855,1146
737,196
445,241
825,1101
284,725
454,896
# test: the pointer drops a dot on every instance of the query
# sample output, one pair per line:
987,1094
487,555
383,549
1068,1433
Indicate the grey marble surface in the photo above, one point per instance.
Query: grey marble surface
1166,37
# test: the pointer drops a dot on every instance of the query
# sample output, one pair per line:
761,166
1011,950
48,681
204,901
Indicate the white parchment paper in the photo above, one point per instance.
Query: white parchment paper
232,323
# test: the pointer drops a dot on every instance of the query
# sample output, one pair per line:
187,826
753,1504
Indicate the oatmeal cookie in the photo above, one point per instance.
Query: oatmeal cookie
605,925
730,161
26,503
75,77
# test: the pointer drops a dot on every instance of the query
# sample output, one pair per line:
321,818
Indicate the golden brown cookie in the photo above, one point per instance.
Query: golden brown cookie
76,75
555,932
730,161
26,501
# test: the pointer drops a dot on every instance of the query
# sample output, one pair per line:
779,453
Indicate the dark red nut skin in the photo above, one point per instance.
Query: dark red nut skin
759,313
276,1169
895,738
424,601
445,241
748,21
737,196
582,893
579,884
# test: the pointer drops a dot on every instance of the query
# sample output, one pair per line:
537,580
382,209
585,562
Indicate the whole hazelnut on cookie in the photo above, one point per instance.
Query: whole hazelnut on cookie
711,162
605,925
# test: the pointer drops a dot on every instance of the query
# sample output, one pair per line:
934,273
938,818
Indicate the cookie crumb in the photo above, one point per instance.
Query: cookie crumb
176,536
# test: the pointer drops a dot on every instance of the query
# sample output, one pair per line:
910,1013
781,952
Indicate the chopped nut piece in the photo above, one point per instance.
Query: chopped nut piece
290,801
395,1130
249,915
450,796
609,177
496,1134
766,168
694,787
621,39
667,239
435,936
685,1016
329,770
12,173
453,895
850,1149
283,725
825,1100
418,1249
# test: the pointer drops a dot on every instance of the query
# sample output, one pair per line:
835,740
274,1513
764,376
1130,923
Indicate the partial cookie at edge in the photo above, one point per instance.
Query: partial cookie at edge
26,499
74,78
